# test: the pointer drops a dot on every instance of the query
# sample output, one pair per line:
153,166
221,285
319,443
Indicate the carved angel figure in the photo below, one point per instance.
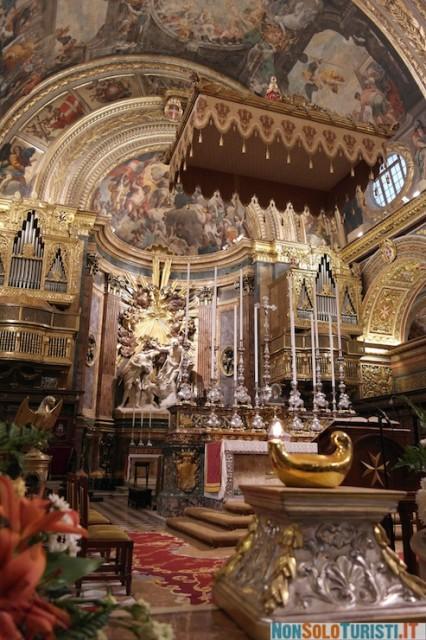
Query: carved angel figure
43,418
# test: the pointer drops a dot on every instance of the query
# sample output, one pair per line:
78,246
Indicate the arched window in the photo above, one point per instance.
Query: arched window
390,180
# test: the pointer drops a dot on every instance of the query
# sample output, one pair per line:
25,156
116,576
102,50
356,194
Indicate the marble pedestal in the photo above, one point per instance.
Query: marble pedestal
317,555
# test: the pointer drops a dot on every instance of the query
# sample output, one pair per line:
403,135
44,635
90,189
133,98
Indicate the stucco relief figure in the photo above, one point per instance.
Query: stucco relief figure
168,375
418,138
135,373
150,378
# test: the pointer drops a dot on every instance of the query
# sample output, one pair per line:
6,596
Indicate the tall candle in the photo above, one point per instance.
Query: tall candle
188,271
330,335
292,331
150,416
141,420
316,319
314,371
241,305
339,331
256,355
133,417
213,320
235,343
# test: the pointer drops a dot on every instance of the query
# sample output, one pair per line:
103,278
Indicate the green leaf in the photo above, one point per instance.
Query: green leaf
419,411
85,623
62,569
15,441
413,458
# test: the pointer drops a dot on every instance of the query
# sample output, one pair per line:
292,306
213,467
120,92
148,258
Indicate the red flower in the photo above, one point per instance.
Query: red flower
24,615
20,606
29,517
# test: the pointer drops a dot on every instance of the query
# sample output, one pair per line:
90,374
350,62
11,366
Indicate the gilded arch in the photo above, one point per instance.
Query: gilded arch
392,292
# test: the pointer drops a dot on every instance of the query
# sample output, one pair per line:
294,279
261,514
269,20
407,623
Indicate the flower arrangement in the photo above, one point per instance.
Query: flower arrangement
38,566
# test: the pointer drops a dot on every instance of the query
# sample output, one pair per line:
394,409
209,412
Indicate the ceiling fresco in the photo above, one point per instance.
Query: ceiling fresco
143,212
326,50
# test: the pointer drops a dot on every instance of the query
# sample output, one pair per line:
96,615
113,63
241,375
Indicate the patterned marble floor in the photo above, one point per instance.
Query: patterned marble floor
188,621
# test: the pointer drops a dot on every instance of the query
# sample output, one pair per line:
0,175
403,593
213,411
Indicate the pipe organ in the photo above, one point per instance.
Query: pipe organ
27,255
331,281
325,291
41,257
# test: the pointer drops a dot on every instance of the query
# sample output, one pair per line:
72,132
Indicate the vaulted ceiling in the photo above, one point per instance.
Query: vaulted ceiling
82,83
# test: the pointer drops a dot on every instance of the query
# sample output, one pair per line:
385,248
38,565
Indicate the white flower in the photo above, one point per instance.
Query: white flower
58,503
64,542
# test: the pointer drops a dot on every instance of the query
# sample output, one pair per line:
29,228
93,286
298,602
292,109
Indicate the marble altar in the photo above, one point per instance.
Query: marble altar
245,461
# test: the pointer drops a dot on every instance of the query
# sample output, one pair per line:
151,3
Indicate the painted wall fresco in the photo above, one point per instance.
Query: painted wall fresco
324,49
341,76
145,214
18,161
52,120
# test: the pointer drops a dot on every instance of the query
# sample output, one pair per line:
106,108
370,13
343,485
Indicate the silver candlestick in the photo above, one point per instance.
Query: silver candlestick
296,406
296,423
344,405
236,420
333,400
214,394
315,424
241,394
266,391
295,400
212,422
320,400
185,394
258,422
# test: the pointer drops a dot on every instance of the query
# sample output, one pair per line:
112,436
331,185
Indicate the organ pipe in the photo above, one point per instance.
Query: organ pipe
27,257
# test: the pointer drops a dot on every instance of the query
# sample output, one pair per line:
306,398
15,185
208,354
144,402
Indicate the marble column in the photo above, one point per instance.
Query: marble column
86,292
108,349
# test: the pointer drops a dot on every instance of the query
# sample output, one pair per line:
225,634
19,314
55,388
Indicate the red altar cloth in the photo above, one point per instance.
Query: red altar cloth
213,467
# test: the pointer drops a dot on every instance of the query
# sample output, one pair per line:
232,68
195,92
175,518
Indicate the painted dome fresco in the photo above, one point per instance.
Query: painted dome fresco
83,86
146,215
326,50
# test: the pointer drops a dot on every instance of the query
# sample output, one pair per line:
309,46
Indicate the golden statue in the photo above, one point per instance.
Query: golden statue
311,469
42,418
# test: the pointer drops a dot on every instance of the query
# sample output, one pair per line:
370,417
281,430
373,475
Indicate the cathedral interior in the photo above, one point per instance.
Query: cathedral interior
212,246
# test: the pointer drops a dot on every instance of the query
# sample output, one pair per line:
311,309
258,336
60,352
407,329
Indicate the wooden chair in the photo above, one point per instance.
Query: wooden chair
94,517
109,542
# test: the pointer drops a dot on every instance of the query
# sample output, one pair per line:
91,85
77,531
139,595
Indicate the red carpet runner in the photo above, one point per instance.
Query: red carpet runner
161,555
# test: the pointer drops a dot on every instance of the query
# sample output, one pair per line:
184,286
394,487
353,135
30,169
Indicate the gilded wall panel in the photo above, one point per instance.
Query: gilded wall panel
376,380
385,309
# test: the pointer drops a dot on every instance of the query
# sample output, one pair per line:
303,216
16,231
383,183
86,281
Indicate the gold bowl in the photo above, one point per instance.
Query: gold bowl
312,469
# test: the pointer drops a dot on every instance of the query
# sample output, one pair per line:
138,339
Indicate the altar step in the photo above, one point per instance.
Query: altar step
223,519
207,533
215,528
235,505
